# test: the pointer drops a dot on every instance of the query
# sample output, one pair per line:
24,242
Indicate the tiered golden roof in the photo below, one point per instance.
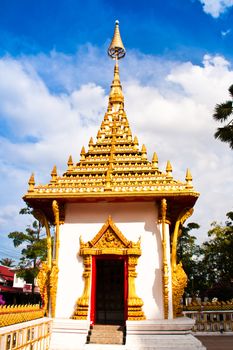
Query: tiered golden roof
113,166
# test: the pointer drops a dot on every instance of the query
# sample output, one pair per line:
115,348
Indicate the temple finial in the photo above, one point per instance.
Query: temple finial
70,163
189,179
31,183
54,174
169,169
155,160
116,49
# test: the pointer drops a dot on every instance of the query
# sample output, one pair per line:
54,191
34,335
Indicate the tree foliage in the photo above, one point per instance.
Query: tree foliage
189,252
224,113
7,262
210,266
218,257
34,249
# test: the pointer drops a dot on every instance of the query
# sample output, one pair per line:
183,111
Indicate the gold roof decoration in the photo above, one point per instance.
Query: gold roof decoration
110,240
116,49
113,166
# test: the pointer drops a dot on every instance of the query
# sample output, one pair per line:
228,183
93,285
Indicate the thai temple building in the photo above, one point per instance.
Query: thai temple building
113,260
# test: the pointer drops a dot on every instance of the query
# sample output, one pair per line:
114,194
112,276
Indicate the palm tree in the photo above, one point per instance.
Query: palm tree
222,112
7,262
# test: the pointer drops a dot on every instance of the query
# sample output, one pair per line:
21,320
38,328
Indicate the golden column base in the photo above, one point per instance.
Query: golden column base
135,303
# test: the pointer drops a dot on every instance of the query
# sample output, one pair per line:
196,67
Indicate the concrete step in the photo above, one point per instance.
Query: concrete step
107,327
104,347
106,341
106,334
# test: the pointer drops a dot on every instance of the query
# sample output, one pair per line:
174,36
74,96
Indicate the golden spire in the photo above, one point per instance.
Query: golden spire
91,143
144,152
155,160
116,49
169,169
116,94
189,179
31,183
70,163
54,174
82,154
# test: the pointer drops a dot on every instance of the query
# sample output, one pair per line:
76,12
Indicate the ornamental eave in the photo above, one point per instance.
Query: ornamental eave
177,200
112,195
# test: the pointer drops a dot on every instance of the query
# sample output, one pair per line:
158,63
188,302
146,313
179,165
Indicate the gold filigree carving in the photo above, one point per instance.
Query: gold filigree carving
165,263
110,240
134,302
179,282
54,271
179,277
43,284
53,287
81,311
55,208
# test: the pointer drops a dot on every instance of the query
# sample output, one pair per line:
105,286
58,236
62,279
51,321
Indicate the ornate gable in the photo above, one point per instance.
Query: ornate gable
109,240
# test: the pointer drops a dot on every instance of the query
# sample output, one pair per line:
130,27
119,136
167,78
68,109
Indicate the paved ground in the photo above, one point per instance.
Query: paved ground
217,342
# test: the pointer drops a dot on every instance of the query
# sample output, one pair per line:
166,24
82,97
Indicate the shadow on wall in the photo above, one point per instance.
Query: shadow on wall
157,291
125,212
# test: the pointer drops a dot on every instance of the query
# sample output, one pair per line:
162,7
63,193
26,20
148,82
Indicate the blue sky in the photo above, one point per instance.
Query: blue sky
55,77
176,28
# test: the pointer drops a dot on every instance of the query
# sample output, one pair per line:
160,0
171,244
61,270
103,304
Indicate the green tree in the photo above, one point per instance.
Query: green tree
218,258
7,262
34,249
223,113
189,252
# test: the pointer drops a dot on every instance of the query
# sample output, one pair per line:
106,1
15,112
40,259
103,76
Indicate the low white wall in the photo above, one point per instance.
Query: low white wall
137,219
35,334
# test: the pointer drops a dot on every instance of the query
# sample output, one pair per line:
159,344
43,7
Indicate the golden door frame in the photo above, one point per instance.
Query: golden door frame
110,241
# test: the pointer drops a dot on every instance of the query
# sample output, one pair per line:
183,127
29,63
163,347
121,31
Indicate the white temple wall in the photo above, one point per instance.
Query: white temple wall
136,219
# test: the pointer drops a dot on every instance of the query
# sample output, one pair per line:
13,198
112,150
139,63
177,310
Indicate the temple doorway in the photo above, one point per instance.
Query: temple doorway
109,290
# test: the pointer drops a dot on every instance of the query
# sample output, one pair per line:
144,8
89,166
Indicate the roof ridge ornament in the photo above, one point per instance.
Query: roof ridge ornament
116,49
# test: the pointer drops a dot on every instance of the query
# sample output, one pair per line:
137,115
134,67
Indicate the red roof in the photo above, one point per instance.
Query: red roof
10,289
6,273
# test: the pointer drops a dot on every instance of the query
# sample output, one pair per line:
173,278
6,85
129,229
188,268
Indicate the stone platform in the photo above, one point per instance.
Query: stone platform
161,335
140,335
68,334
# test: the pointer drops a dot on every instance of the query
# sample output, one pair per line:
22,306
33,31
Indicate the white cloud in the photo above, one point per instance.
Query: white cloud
179,126
169,106
216,7
225,33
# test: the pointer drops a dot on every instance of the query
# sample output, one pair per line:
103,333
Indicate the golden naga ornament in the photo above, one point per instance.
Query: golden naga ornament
43,284
179,282
179,277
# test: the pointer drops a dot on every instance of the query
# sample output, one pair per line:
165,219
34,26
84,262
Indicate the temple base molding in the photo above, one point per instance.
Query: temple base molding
161,335
169,334
68,334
